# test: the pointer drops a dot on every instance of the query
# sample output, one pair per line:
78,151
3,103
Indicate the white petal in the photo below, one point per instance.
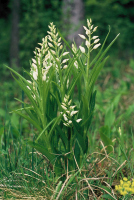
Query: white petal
86,29
69,101
65,117
73,113
65,60
44,77
95,28
76,64
66,124
50,44
72,107
64,107
96,41
65,66
82,49
96,46
53,52
34,60
34,66
92,27
88,23
65,53
29,81
82,36
87,43
94,37
59,39
64,104
88,32
78,120
35,75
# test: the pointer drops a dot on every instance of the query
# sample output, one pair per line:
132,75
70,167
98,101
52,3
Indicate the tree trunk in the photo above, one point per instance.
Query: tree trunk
14,45
73,18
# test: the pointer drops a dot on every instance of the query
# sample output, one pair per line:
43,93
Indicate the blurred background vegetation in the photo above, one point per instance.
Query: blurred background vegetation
25,22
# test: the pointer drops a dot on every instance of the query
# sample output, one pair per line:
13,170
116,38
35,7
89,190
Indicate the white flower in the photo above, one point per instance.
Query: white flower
64,104
35,75
50,44
59,39
65,53
34,66
57,59
66,124
65,66
96,41
73,113
91,27
44,77
34,61
70,100
96,46
49,37
87,43
72,107
55,43
74,48
76,64
88,23
86,29
59,44
30,83
65,60
64,107
95,28
94,37
82,49
65,117
82,36
78,120
88,32
66,98
53,52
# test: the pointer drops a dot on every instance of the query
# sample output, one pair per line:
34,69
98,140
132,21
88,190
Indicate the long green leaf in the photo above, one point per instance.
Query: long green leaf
51,157
45,129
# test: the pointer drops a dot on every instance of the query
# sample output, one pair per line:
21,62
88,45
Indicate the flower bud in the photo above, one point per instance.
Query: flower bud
82,49
96,46
96,41
82,36
87,43
95,28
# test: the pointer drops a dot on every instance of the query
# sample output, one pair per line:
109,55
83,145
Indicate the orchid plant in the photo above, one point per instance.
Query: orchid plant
62,96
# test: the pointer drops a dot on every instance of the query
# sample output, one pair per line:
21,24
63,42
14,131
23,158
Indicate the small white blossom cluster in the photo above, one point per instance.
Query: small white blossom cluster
50,46
55,46
42,60
90,42
69,111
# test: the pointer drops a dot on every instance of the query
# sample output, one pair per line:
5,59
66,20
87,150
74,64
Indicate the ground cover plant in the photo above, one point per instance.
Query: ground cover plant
60,160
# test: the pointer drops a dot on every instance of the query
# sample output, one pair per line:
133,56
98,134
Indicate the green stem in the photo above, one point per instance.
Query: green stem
88,65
